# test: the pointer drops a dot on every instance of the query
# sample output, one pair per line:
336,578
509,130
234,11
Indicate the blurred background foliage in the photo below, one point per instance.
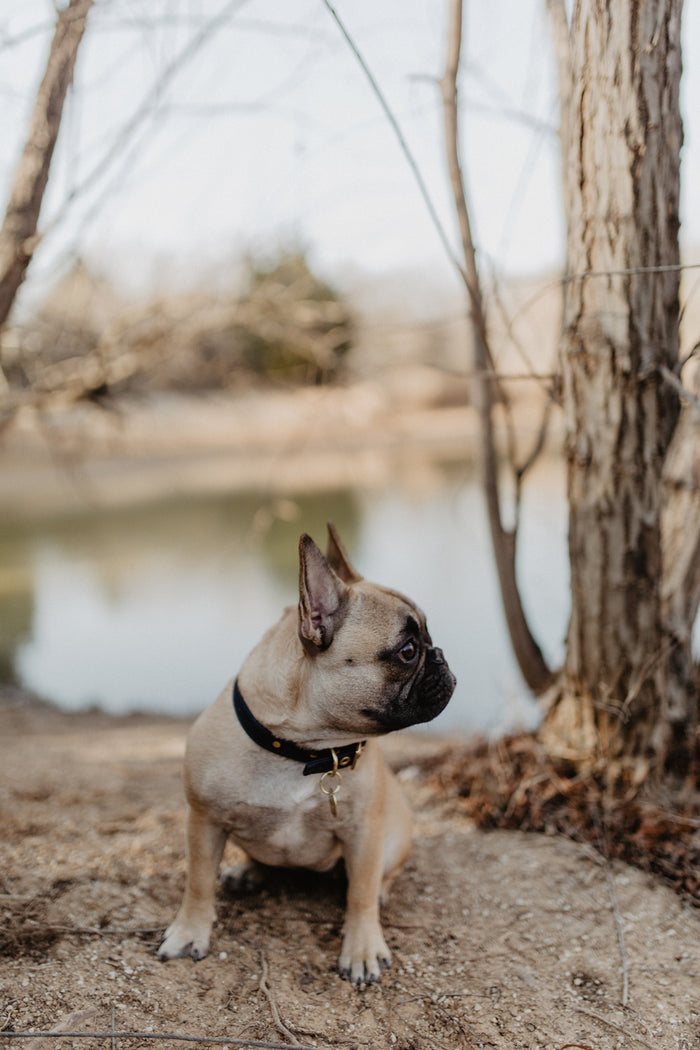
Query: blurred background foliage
285,325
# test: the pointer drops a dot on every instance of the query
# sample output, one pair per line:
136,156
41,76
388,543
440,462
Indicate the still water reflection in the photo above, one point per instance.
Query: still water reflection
154,608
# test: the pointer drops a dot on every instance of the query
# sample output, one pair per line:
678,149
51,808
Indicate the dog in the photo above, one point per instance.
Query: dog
265,762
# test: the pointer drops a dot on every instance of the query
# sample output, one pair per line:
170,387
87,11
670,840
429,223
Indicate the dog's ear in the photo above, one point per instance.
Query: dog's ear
322,597
337,558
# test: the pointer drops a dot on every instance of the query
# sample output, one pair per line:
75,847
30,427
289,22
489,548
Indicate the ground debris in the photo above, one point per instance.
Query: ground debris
500,939
513,782
23,928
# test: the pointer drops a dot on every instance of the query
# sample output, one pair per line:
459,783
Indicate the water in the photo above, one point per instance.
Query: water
154,608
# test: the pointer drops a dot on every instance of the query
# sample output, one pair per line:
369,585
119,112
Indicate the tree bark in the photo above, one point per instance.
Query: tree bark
18,236
626,685
680,523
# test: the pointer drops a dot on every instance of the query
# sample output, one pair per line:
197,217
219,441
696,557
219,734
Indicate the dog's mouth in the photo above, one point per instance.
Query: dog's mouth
422,699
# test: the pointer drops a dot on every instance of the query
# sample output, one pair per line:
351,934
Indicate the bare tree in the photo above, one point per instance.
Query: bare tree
18,236
627,681
626,689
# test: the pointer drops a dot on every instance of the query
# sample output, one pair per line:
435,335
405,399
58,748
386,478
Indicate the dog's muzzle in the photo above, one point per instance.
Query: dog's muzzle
437,683
423,698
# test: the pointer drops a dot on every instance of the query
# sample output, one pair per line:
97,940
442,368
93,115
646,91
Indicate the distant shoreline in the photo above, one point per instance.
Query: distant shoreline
279,442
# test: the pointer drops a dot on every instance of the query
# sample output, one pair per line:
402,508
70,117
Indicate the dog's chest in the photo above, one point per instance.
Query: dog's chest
285,823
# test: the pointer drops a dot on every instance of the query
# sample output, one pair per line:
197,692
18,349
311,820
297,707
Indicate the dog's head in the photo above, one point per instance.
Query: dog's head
371,666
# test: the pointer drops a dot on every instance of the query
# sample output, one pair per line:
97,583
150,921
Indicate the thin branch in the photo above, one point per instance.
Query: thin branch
148,108
603,849
505,112
9,42
528,653
93,931
620,933
616,1028
539,443
18,237
691,353
549,383
585,275
160,1036
631,271
673,380
265,989
405,149
562,48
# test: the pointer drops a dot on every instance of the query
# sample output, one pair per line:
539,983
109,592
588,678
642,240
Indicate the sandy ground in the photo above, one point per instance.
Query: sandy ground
500,939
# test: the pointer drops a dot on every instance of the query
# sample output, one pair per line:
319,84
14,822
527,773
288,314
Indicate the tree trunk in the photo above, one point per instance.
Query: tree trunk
626,683
680,522
18,237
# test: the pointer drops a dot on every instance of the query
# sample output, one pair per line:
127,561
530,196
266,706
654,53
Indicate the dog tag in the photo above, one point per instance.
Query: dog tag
331,791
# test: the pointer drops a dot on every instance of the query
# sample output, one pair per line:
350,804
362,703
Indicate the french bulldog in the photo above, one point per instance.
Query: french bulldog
286,760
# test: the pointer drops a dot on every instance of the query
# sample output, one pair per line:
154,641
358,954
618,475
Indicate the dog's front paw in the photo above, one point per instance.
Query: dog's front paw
364,954
181,940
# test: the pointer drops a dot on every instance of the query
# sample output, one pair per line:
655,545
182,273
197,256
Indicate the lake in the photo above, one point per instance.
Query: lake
153,608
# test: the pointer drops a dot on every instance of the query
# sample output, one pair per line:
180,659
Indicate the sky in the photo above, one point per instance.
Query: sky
197,132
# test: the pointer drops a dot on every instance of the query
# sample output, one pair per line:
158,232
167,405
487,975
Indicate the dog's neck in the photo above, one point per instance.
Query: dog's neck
275,682
317,760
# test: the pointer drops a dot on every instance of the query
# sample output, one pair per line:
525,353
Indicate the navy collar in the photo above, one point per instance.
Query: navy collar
324,761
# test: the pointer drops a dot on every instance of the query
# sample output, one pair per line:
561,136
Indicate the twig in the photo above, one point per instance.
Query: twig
436,997
678,818
410,159
512,335
630,271
157,1036
146,110
529,656
603,848
77,1017
668,970
616,1028
673,380
91,931
584,275
462,1027
265,988
691,353
620,934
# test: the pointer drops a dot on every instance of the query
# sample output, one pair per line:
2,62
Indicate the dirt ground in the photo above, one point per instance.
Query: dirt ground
500,939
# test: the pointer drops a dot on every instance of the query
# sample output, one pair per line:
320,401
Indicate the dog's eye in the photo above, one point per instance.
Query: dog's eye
408,652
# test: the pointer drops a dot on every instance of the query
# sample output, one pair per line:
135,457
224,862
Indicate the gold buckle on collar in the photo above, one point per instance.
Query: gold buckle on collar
358,751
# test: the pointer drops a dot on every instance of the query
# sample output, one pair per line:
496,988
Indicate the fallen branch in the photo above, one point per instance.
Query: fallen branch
616,1028
265,989
214,1040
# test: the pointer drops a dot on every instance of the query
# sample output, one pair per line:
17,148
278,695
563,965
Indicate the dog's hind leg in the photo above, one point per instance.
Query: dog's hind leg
246,876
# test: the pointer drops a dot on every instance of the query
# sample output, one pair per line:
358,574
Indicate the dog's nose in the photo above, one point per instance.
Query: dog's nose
436,655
